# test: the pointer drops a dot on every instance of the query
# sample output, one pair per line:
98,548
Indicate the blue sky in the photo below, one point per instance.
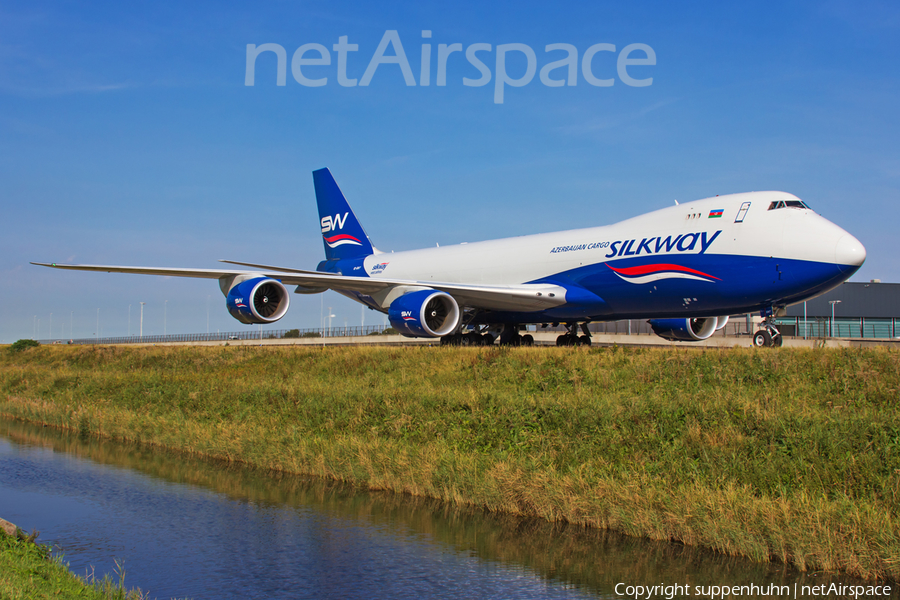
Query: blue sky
128,136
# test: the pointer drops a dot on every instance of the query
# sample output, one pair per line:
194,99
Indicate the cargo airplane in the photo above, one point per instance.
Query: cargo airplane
685,268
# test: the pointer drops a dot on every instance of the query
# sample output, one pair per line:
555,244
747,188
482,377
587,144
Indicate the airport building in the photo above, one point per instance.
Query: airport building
870,310
851,310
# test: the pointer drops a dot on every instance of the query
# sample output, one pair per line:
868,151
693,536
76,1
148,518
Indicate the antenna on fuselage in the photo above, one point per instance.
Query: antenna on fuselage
676,203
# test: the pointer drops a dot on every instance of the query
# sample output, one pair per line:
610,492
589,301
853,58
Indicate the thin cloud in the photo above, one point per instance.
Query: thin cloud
613,121
65,89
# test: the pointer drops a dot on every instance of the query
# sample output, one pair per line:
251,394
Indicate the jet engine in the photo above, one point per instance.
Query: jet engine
687,330
255,300
424,313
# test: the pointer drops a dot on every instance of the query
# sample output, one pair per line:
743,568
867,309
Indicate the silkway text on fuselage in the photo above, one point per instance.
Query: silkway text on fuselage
685,242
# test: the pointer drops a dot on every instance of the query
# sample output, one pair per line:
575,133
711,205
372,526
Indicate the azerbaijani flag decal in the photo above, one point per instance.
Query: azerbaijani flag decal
341,239
716,213
649,273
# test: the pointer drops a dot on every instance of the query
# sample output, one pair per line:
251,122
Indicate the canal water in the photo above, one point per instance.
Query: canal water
186,527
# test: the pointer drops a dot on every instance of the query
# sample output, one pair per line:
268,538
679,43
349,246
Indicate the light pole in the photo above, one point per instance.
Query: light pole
129,320
50,334
207,315
805,326
832,303
330,316
165,311
142,320
98,325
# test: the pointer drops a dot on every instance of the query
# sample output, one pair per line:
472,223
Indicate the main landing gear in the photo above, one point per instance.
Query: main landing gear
571,337
509,336
472,338
469,335
768,335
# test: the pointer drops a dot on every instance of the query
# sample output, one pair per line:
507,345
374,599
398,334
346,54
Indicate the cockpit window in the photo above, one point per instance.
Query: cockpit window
787,204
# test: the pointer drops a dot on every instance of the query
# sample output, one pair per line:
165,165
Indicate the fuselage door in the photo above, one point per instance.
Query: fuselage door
742,212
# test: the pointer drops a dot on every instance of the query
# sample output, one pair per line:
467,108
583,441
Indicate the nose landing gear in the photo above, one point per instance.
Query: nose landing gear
769,335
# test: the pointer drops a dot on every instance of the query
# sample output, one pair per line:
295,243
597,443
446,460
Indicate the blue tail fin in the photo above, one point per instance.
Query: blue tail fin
342,234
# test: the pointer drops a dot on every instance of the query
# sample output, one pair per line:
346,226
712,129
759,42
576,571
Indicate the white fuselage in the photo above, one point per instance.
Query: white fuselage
789,233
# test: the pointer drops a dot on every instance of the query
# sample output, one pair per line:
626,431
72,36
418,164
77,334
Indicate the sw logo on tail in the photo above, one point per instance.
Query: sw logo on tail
335,222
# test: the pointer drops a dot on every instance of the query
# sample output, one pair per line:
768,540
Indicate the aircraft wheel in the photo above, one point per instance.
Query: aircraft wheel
567,340
584,340
487,339
513,341
762,338
527,340
778,341
471,339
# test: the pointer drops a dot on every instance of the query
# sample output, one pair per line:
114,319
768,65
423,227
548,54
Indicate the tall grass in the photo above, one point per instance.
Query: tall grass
788,455
27,570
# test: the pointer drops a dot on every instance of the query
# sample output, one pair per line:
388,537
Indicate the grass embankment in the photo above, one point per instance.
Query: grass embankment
28,571
791,455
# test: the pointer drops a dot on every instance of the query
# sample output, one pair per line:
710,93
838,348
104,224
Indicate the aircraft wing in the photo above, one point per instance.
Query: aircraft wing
525,297
522,297
164,271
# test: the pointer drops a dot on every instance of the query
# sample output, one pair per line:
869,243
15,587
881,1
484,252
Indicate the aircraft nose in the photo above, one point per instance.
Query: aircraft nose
849,253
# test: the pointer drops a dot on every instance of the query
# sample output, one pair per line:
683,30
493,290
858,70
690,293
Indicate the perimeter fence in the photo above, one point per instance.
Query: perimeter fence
737,326
261,334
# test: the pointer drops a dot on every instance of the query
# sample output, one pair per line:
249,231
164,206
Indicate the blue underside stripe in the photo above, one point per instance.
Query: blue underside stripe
735,285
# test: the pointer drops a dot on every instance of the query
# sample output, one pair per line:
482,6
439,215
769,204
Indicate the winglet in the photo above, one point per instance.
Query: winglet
342,233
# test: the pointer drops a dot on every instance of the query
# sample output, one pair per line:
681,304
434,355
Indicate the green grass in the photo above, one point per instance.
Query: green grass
788,455
27,571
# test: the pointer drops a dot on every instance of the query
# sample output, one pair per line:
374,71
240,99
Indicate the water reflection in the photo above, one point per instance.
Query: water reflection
187,526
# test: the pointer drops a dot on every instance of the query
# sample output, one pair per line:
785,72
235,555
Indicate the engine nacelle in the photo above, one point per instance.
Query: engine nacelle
256,300
425,313
687,330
